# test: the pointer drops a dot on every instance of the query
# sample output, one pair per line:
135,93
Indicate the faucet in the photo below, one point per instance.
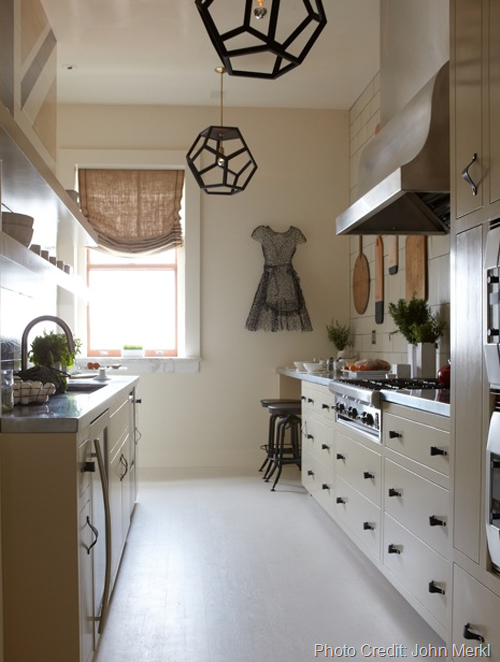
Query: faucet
44,318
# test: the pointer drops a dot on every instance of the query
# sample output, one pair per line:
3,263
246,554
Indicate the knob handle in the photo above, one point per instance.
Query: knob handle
392,549
310,472
325,486
340,500
394,493
466,175
310,436
434,588
88,467
493,332
492,279
340,456
368,474
394,434
325,447
436,521
434,450
367,526
469,634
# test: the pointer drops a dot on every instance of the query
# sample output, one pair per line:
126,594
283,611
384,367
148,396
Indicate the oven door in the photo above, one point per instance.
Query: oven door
493,490
492,289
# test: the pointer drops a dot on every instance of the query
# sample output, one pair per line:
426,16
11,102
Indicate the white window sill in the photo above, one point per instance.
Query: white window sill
147,365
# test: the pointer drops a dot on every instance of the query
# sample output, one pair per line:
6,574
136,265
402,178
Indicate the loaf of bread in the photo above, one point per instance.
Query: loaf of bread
372,364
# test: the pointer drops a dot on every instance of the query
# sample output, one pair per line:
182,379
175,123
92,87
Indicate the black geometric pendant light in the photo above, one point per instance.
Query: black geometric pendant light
255,40
219,158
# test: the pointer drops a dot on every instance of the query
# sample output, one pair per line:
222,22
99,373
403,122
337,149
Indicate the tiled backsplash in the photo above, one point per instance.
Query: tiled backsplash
364,124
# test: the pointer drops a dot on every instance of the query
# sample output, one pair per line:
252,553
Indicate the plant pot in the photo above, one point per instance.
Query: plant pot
132,353
422,360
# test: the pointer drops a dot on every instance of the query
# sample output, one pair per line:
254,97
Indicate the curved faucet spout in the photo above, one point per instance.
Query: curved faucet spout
44,318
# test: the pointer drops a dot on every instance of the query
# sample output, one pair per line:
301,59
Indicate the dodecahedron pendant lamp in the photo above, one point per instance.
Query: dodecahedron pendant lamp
219,158
255,39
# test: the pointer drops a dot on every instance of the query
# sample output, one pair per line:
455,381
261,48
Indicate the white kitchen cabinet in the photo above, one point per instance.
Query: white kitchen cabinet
360,466
475,108
475,618
360,516
318,444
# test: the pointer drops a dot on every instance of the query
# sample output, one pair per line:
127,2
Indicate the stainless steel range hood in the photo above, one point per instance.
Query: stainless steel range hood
404,172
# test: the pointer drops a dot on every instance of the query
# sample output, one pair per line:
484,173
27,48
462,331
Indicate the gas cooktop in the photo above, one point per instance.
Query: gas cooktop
369,390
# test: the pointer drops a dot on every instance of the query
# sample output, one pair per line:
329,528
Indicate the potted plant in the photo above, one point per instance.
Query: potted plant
422,330
51,350
339,335
132,351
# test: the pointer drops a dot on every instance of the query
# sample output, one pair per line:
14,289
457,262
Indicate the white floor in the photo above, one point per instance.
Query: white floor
220,569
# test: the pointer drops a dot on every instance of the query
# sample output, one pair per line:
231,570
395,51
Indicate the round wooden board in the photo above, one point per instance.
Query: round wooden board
361,283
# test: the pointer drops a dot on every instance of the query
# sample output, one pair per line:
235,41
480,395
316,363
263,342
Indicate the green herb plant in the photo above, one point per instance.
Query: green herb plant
416,322
339,335
51,349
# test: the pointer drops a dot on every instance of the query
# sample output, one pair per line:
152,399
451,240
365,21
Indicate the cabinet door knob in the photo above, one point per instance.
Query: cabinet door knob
436,521
394,493
394,434
434,450
392,549
434,588
469,634
466,175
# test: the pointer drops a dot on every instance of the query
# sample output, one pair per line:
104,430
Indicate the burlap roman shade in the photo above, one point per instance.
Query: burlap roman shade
133,211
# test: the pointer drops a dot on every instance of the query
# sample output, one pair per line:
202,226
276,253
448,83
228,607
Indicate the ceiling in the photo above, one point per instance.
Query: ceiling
158,52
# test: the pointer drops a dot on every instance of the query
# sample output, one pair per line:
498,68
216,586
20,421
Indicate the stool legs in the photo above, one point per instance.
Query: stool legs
283,453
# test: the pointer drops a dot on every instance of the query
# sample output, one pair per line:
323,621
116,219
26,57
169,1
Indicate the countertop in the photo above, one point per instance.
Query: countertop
67,412
432,401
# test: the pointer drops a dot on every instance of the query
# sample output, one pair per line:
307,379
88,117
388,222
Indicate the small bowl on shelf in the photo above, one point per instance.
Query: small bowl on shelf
18,226
314,367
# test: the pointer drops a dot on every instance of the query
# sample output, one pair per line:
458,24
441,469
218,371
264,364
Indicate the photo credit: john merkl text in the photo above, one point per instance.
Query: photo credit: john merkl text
398,650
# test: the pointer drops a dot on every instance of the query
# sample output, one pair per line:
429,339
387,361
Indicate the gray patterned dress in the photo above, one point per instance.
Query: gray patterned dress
278,304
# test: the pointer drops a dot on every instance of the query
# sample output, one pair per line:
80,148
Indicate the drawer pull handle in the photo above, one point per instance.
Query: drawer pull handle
340,500
393,434
325,486
325,447
392,549
323,406
310,401
466,175
368,526
310,472
96,534
303,397
88,466
436,521
469,634
340,456
368,474
434,450
394,493
434,588
310,436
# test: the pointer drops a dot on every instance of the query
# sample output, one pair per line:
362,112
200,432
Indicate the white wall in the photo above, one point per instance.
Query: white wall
213,418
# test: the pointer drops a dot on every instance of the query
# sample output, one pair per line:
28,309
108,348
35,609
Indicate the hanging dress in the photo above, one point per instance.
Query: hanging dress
278,304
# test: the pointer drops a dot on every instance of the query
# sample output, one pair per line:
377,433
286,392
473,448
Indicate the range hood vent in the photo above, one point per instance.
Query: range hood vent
404,172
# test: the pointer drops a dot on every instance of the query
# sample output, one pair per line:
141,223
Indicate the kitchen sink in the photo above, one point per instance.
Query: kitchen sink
82,387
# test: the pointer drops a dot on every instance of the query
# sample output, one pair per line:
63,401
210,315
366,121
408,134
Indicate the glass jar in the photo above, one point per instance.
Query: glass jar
7,390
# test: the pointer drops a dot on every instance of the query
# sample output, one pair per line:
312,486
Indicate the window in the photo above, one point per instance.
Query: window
132,301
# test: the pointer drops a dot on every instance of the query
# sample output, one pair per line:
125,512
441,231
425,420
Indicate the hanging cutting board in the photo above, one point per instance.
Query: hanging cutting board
392,243
379,280
416,266
361,281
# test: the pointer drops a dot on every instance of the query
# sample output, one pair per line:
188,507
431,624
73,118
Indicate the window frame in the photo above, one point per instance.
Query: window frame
153,266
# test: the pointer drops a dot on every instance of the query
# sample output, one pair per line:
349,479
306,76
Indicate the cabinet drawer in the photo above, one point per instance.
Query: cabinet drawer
421,570
318,439
419,442
318,399
475,611
319,481
360,515
84,455
118,428
359,466
420,505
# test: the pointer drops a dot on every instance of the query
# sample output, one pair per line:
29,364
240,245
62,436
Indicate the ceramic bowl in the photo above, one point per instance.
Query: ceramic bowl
299,365
314,367
20,233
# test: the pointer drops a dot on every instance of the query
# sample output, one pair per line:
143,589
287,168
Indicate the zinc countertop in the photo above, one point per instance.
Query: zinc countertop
68,412
430,400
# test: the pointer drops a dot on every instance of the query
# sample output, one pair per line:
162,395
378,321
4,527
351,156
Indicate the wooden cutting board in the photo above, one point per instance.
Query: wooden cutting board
392,243
416,266
379,280
361,281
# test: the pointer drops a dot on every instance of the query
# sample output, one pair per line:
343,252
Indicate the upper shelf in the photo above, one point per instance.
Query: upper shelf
30,187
